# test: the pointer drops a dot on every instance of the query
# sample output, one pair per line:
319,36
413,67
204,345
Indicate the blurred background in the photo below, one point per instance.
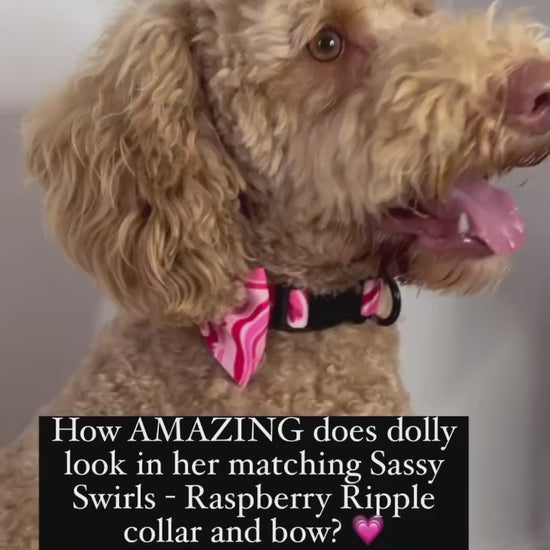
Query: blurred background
484,357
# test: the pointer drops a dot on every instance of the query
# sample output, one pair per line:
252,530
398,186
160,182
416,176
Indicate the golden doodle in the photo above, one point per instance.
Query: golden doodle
249,179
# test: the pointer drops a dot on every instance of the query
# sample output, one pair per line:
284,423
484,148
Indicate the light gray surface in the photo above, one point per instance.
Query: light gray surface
486,357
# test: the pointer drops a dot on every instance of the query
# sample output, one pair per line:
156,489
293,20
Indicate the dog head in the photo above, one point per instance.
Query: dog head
327,141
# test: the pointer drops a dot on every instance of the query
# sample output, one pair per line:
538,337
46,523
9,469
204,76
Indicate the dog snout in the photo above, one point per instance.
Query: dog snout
528,97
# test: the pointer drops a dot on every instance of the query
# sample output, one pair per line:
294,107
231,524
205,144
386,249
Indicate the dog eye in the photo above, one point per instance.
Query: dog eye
423,9
421,12
327,45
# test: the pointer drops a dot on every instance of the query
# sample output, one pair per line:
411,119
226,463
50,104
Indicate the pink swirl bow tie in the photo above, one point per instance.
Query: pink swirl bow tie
238,341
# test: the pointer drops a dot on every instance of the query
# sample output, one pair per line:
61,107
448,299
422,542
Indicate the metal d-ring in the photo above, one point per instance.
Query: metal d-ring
395,312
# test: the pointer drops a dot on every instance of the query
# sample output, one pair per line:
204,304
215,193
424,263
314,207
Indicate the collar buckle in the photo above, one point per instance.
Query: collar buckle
327,311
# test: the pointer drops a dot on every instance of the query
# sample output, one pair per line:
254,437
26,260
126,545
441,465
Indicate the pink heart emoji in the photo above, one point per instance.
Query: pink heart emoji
368,529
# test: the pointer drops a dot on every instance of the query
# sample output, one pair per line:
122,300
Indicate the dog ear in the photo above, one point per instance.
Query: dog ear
139,188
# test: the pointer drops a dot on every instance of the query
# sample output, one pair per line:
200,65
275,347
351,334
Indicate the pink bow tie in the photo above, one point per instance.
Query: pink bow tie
238,342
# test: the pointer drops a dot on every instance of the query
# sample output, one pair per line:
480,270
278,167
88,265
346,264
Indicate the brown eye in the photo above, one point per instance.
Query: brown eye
420,12
327,45
423,9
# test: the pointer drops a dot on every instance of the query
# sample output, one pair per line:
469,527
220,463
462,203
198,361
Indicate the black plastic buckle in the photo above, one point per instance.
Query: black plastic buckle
328,311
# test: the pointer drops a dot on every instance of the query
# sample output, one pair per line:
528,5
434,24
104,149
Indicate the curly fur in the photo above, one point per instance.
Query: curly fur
189,110
139,189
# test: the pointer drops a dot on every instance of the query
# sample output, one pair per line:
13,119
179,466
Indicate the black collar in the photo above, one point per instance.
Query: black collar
327,311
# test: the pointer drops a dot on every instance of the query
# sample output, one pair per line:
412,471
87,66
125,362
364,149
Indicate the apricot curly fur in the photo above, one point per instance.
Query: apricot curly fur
200,140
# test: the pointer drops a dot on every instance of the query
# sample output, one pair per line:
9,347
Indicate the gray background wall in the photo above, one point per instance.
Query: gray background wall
486,357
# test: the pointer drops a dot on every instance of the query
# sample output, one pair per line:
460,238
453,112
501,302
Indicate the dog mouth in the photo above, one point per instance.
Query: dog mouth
477,220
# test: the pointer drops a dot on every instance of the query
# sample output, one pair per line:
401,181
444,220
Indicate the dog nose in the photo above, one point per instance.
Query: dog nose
528,98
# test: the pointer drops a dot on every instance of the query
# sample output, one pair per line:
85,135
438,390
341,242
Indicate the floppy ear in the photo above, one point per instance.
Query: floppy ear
139,188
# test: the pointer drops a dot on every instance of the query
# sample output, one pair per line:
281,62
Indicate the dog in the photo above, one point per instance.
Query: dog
248,180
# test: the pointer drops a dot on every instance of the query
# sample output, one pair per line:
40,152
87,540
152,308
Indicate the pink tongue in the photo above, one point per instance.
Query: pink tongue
494,218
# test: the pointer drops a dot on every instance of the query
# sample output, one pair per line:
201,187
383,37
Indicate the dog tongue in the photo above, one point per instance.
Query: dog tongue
494,218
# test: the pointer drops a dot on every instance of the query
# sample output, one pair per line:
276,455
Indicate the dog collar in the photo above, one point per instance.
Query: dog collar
238,341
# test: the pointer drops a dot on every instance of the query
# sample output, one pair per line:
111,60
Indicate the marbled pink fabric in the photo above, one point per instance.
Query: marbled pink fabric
372,292
238,342
298,309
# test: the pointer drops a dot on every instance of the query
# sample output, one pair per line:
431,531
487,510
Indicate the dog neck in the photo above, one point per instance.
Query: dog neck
298,250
